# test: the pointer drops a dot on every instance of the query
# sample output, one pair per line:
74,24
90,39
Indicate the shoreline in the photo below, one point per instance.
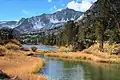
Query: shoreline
21,66
81,56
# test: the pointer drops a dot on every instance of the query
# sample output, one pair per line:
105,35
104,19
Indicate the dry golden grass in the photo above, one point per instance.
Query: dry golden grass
3,49
16,64
12,46
109,49
81,56
61,49
65,49
107,55
73,56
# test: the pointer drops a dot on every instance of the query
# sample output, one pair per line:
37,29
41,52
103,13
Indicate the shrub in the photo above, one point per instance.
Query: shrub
84,58
33,48
12,46
65,56
3,49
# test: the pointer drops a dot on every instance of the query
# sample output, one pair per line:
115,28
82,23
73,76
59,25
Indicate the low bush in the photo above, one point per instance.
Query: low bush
2,49
33,48
65,56
65,49
12,46
84,58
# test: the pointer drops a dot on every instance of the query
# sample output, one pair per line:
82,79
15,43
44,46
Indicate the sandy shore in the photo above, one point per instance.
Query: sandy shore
22,66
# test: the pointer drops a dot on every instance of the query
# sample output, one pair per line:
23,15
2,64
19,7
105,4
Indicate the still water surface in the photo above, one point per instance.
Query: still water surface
41,47
61,70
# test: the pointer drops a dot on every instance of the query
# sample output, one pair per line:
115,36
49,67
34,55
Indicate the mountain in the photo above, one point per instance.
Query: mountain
9,24
47,21
42,22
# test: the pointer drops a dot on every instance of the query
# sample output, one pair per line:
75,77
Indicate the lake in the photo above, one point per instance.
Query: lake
62,70
41,47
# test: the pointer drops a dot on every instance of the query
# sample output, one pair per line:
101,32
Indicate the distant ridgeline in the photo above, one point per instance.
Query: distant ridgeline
100,23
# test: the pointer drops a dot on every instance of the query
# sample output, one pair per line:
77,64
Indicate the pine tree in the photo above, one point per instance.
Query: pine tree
101,19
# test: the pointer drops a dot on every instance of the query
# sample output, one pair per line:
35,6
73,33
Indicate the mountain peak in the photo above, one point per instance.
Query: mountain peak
68,9
47,21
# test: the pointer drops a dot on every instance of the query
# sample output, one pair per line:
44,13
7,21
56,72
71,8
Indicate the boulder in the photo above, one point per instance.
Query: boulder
34,48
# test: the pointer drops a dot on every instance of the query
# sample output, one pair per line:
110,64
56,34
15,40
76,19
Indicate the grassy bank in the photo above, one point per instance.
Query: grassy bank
16,64
80,56
90,54
22,66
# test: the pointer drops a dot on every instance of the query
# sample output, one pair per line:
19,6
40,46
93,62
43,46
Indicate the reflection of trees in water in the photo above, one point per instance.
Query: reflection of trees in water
60,70
100,73
73,71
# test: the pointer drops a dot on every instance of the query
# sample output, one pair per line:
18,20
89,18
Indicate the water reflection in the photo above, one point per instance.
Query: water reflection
58,70
102,73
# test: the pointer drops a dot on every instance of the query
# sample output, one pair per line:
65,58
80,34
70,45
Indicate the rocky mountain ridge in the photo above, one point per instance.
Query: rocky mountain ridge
44,21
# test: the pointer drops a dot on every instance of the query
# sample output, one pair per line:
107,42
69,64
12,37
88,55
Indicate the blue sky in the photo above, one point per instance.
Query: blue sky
17,9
